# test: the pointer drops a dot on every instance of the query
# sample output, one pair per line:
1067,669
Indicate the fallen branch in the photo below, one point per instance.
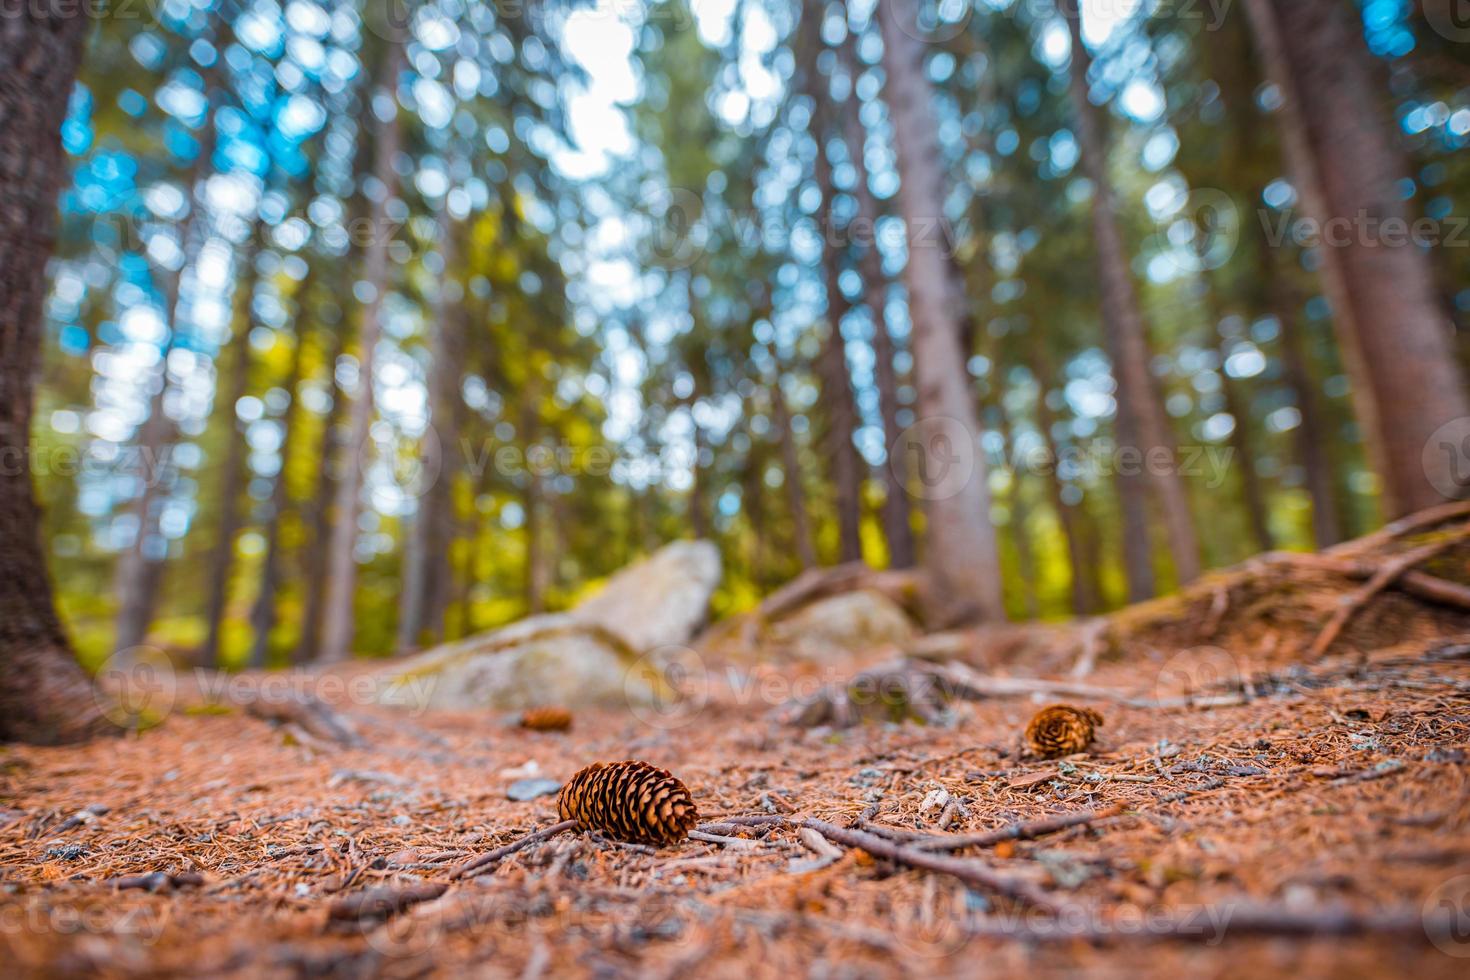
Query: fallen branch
1212,924
380,903
970,872
1386,575
490,857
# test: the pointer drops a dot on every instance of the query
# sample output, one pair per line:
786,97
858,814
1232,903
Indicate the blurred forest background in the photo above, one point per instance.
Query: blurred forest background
374,324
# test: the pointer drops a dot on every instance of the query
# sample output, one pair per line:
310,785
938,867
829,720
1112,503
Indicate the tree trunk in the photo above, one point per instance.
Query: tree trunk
836,377
961,558
263,613
1237,404
427,584
1312,442
337,617
1085,599
1020,517
801,527
139,571
44,695
898,527
221,560
320,519
1141,426
1396,339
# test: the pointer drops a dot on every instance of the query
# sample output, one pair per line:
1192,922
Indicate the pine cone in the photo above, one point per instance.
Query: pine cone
547,719
630,801
1062,730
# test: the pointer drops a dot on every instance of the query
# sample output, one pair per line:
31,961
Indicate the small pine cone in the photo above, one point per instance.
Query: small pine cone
547,719
1062,730
630,801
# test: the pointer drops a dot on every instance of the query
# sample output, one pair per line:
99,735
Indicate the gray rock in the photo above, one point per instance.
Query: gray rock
528,789
842,625
581,658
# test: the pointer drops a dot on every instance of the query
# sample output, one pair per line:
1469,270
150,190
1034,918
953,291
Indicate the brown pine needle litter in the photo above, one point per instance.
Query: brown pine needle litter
1324,807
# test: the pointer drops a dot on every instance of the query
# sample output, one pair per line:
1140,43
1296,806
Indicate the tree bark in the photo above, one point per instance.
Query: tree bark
1312,441
338,618
221,560
801,528
1020,517
961,557
44,695
898,527
1142,427
427,584
263,613
1397,342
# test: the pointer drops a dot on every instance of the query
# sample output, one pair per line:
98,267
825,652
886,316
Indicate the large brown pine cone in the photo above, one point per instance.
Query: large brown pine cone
547,719
1062,730
630,801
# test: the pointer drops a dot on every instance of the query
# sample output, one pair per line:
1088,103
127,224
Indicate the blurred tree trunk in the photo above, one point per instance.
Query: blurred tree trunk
1141,425
44,696
801,528
1237,405
832,366
961,557
1397,342
538,568
1085,599
320,517
221,559
898,527
263,613
1313,445
1020,517
139,572
337,615
425,597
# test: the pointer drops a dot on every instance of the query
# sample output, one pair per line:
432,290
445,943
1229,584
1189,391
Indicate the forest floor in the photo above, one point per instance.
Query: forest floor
1306,815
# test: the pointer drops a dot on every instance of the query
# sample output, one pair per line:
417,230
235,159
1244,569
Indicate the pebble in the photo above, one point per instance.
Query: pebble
528,789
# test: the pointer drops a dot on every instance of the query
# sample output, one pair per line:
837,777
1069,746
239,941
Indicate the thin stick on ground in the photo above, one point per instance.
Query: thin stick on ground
490,857
1016,831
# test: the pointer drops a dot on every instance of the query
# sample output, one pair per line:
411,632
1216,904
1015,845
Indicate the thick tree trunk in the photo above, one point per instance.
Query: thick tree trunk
427,583
1142,427
221,560
801,528
961,558
898,527
1396,339
263,613
338,617
1312,441
44,695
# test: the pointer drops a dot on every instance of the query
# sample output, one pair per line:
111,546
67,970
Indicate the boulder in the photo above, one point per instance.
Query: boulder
843,625
579,658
